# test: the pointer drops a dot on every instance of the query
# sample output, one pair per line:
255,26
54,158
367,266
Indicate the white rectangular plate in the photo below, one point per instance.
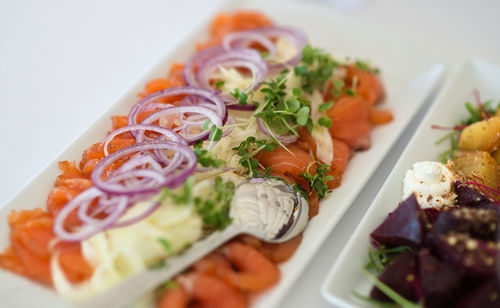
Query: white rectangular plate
346,276
409,77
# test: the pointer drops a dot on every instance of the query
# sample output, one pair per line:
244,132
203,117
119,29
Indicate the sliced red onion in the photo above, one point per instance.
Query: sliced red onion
241,58
191,139
196,60
281,138
296,37
141,128
244,39
89,229
205,94
171,179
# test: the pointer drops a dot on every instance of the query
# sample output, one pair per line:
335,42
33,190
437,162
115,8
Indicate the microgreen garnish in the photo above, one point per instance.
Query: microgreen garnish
215,133
215,209
381,257
350,92
242,97
365,66
283,116
166,244
219,84
248,148
389,292
325,106
477,113
318,180
180,195
316,68
301,190
324,121
338,84
450,153
204,157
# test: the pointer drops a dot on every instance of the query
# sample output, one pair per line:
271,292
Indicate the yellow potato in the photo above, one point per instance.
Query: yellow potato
483,136
496,156
480,164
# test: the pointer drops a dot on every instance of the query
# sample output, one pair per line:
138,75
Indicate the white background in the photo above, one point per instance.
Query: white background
62,63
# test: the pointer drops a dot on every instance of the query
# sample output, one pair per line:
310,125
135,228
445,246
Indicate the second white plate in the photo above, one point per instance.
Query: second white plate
346,276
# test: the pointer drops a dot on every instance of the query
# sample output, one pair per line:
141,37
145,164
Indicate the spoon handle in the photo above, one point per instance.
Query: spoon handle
129,291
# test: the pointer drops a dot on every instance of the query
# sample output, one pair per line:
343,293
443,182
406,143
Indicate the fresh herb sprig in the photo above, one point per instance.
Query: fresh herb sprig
476,114
204,157
318,180
281,115
316,68
215,209
366,66
381,257
241,97
181,195
248,148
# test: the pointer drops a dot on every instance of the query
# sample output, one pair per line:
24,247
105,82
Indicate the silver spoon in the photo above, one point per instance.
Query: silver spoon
266,208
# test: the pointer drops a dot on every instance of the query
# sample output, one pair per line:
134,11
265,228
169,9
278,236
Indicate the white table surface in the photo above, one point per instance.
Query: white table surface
62,63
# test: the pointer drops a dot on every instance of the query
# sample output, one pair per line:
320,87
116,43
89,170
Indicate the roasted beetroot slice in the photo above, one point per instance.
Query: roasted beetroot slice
438,280
399,276
431,215
403,227
475,257
469,197
478,223
485,296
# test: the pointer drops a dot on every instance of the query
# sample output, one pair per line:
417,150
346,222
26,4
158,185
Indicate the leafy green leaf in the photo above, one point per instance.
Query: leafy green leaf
215,133
325,106
166,245
204,157
319,181
215,209
324,121
219,84
302,116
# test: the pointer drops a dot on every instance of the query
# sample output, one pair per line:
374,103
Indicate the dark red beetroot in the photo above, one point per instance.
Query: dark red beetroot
469,197
475,257
478,223
439,281
400,276
403,227
485,296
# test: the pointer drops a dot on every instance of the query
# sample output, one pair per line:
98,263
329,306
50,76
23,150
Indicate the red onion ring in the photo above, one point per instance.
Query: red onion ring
170,179
244,39
88,229
241,57
211,115
285,139
297,38
205,94
139,138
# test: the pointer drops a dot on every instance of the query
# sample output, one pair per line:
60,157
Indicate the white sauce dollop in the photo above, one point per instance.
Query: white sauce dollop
432,183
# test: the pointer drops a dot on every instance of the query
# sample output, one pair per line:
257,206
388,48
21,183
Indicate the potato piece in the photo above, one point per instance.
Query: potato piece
496,156
483,136
480,164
